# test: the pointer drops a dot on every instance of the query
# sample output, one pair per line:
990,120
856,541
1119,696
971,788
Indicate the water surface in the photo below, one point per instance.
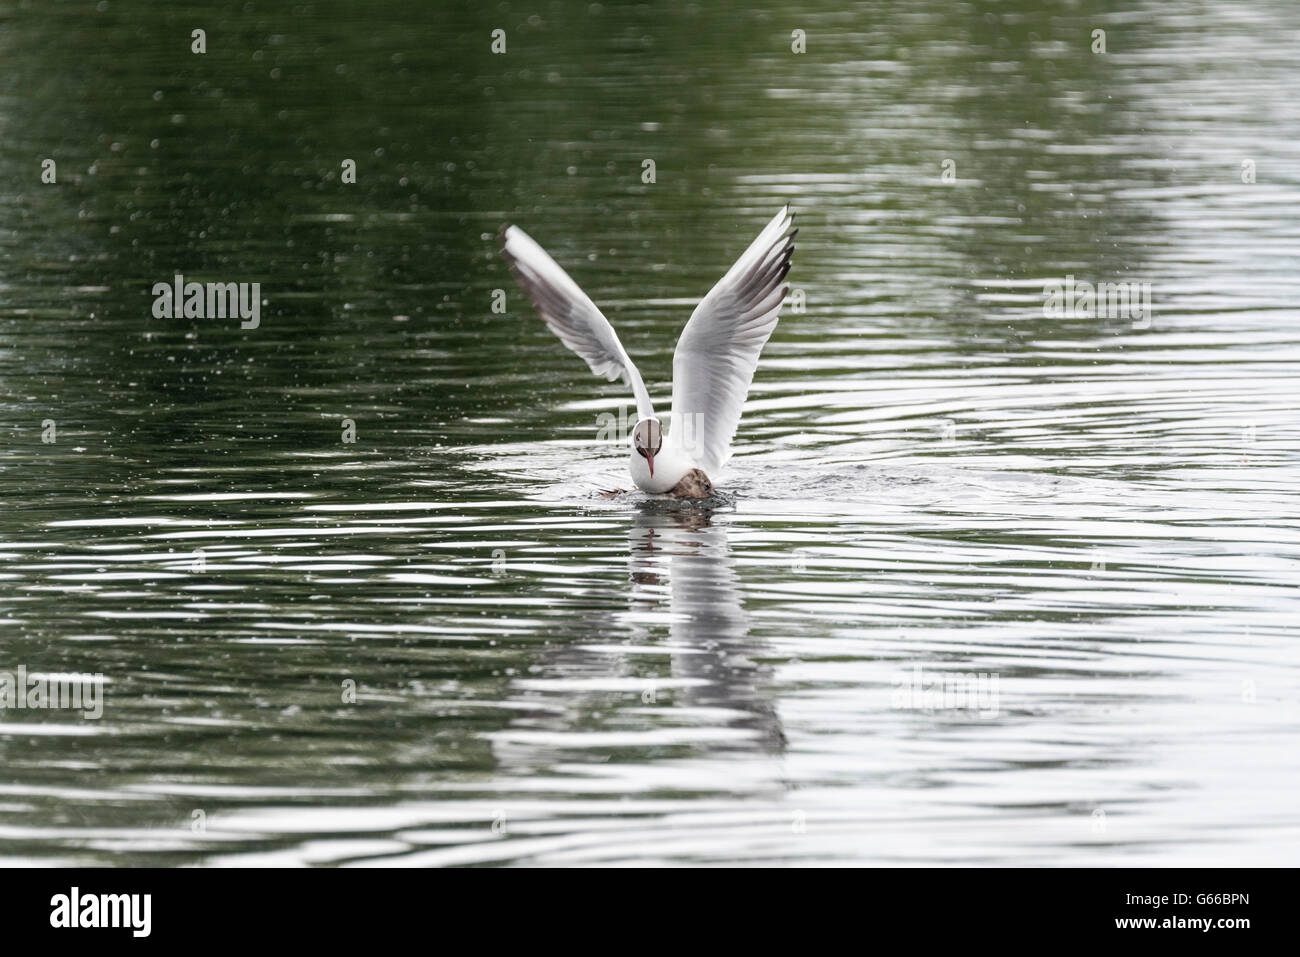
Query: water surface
439,645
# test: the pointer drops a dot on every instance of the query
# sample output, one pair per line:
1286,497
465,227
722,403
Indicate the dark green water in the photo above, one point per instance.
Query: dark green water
931,473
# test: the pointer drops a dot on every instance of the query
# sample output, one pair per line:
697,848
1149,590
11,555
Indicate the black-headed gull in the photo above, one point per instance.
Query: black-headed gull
713,365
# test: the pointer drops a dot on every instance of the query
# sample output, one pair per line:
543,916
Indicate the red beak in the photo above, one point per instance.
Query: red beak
650,460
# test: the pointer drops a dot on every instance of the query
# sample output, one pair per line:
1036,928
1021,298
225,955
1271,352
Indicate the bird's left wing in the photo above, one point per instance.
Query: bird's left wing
718,350
570,313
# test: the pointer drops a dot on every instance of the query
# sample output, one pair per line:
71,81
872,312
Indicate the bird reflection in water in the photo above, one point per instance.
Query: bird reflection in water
584,695
709,635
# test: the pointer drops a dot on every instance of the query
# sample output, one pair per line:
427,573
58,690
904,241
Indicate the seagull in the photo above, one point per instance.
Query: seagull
713,365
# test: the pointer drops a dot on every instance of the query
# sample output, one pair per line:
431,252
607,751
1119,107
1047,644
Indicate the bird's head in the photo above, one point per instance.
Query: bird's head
648,439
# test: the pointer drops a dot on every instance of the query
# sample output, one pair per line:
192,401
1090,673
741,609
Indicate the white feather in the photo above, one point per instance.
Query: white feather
571,314
718,350
716,354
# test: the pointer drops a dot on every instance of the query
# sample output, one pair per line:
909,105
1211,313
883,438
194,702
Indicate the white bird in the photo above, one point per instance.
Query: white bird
713,365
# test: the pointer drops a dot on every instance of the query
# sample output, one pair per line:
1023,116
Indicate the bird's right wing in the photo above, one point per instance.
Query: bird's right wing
570,313
717,352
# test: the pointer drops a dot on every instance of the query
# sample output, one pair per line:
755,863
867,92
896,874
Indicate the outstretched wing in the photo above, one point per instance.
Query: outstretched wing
718,350
570,313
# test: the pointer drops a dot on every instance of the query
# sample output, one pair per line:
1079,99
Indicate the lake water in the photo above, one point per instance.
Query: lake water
984,585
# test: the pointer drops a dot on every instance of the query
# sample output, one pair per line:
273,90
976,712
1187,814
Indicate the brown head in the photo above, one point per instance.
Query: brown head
648,439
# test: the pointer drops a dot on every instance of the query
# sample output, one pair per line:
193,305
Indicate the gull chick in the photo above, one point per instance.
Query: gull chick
713,365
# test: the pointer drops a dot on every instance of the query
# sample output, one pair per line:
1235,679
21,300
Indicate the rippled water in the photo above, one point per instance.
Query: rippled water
1093,521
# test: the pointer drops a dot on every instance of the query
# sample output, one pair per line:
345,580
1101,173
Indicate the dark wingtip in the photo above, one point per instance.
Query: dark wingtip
501,245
